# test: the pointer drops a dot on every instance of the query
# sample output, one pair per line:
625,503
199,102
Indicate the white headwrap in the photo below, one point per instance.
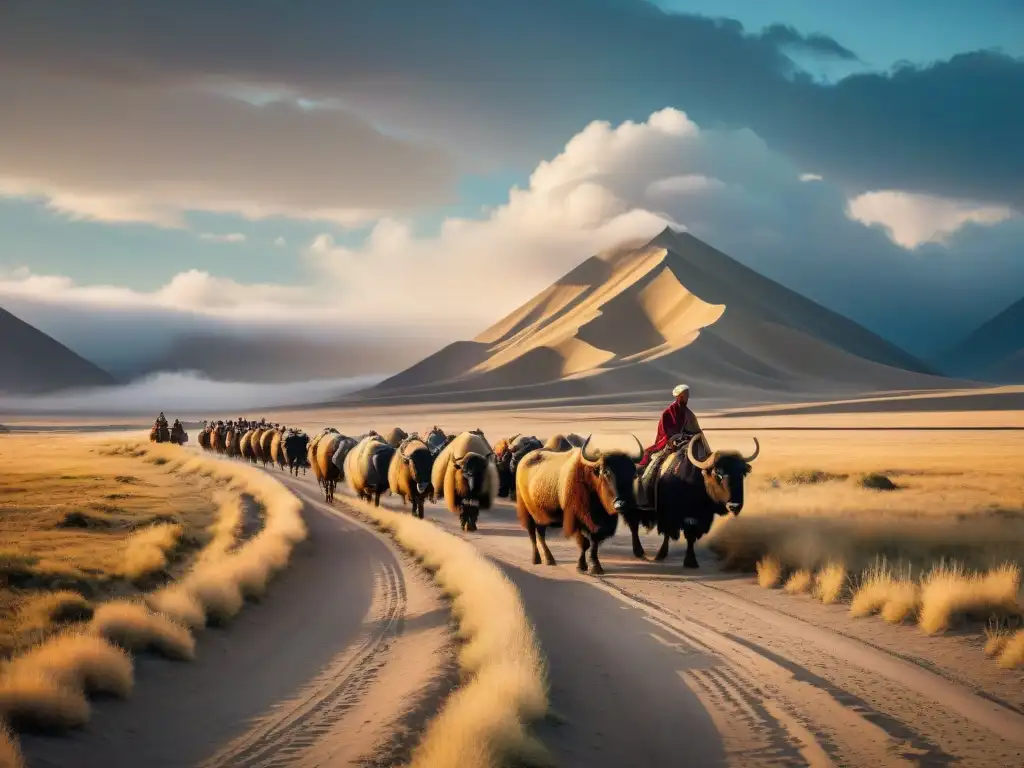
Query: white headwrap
679,390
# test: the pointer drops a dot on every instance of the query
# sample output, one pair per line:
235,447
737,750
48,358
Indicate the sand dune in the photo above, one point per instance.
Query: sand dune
33,363
637,320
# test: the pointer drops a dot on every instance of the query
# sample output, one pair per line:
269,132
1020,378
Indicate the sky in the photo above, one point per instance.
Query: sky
382,178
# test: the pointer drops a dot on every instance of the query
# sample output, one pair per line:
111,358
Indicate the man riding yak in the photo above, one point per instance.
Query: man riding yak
676,420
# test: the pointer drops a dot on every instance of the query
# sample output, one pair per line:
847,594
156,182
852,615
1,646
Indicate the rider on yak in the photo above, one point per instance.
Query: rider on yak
676,420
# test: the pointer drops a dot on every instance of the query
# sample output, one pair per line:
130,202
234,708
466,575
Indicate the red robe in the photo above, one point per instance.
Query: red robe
676,418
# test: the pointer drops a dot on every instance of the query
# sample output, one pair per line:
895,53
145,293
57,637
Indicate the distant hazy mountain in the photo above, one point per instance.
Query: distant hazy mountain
992,352
33,363
642,319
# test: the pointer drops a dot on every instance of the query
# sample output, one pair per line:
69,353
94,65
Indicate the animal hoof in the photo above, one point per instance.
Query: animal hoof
638,553
690,562
536,559
581,567
551,562
597,570
661,556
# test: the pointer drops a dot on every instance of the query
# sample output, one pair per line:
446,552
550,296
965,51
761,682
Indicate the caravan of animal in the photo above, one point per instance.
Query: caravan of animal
561,482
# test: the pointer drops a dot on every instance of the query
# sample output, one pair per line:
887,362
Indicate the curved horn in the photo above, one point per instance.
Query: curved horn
707,463
640,446
757,450
583,450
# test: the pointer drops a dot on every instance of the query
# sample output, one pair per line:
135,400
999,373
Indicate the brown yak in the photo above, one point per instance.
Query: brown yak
464,475
266,439
277,448
204,437
217,438
245,446
231,438
325,470
395,437
582,493
256,444
558,443
409,473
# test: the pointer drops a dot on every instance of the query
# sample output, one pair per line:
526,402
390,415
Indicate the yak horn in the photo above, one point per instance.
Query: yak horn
583,450
514,437
707,463
757,450
640,446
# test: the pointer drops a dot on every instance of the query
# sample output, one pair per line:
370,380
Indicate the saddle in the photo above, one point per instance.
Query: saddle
646,486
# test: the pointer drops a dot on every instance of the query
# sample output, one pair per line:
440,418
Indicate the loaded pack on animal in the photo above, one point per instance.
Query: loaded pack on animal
507,455
581,491
160,433
464,476
409,473
366,468
684,493
436,439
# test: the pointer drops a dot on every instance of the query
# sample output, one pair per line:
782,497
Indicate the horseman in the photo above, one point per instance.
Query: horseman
161,420
676,420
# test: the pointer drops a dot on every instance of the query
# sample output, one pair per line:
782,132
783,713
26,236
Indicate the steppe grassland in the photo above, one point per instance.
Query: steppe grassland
921,526
78,524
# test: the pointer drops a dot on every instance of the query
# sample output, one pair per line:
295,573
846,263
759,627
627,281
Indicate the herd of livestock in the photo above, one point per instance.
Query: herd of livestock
561,483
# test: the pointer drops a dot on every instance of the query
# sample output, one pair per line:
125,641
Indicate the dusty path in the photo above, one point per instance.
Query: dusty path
649,666
341,663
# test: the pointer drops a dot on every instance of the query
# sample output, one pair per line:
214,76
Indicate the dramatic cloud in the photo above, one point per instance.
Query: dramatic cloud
133,153
915,219
625,183
458,71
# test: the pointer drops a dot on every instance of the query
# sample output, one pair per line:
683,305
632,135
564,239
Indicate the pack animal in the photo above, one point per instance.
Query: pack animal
409,473
464,476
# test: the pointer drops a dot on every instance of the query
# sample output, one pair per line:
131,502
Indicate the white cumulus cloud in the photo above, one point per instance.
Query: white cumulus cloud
230,237
913,219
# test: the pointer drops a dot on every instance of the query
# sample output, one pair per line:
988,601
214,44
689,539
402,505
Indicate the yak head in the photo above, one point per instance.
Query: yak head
503,461
724,472
473,468
611,476
420,462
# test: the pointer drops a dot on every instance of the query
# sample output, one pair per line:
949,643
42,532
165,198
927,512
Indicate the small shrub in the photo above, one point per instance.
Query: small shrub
830,584
769,572
877,482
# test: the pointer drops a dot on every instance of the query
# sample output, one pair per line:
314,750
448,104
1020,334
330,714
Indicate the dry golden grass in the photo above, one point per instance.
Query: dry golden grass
1012,654
135,627
46,687
76,517
10,753
769,572
886,590
147,550
799,583
830,584
949,592
85,663
483,724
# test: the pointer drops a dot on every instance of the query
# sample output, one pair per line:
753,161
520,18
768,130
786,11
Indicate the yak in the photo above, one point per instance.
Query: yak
256,441
277,448
436,439
294,449
266,440
582,493
464,476
245,446
218,438
204,437
395,437
232,437
327,473
409,473
689,493
560,443
366,468
507,455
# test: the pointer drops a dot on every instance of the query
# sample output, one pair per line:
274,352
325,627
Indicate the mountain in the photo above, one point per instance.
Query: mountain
33,363
639,320
992,352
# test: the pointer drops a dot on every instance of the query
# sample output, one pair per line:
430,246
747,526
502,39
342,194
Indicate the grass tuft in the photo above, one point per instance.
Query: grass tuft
948,592
830,584
769,572
799,583
134,627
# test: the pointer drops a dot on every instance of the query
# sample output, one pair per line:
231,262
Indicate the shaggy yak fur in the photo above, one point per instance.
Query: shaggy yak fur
409,473
579,492
311,450
689,493
204,438
366,468
464,475
296,443
245,446
266,440
325,470
560,443
231,438
507,455
217,439
256,441
395,437
277,448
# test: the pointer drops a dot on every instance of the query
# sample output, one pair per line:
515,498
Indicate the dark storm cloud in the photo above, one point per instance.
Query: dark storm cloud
512,79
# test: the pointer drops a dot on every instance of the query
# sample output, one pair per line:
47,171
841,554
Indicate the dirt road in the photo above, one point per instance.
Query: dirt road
649,666
343,661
